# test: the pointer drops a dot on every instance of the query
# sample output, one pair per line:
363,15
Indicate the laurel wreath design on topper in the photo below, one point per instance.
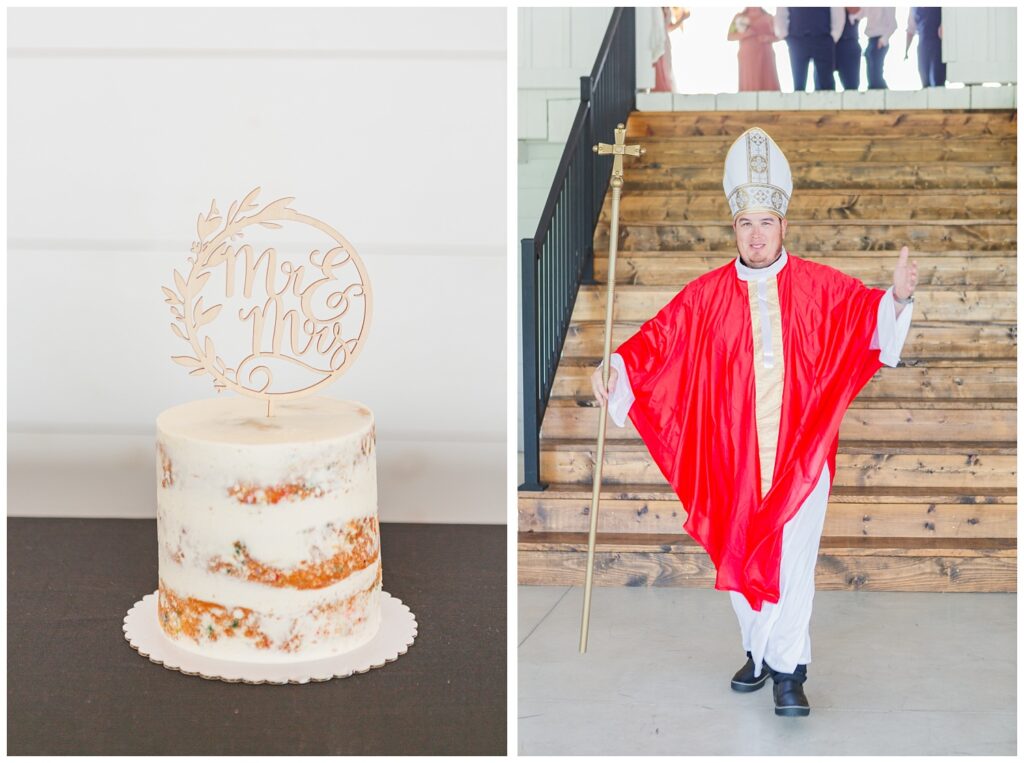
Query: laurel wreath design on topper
309,320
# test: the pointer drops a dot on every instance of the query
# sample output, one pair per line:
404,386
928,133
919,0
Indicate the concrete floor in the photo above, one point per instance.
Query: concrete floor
892,673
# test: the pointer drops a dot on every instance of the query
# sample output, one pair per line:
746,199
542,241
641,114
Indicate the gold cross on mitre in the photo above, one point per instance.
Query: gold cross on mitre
618,150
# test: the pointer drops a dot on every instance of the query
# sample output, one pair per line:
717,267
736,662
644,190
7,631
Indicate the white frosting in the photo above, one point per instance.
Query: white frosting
244,500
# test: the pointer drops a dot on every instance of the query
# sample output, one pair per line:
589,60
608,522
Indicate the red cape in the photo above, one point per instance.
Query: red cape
691,370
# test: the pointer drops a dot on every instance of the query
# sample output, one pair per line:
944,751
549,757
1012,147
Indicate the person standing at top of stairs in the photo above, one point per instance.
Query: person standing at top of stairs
927,24
848,51
879,25
811,34
754,29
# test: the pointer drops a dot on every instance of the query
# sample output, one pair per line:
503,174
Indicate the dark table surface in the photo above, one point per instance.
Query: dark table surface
75,686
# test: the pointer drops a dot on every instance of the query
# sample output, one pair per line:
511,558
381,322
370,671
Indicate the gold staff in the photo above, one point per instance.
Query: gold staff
618,150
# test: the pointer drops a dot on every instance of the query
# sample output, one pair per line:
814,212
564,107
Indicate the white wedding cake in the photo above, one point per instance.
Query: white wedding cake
269,545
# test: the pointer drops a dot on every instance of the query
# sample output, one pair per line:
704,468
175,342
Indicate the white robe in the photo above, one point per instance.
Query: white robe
780,633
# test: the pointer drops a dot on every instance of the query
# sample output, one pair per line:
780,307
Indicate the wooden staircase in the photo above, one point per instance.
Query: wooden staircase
929,503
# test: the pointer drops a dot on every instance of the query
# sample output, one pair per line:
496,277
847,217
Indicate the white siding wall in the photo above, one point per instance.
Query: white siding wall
557,46
980,44
389,124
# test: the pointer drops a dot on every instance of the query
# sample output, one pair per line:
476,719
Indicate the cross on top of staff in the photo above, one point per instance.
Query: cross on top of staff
618,150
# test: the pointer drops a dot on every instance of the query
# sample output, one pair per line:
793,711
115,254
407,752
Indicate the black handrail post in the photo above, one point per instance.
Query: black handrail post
531,373
629,59
589,180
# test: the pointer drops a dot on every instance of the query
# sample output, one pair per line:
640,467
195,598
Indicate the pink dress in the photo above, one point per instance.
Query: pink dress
664,79
757,59
664,82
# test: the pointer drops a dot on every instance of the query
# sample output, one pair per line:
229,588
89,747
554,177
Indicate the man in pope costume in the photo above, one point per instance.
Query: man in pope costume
738,387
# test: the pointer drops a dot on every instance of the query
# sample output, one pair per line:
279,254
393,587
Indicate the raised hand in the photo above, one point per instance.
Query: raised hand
597,382
904,279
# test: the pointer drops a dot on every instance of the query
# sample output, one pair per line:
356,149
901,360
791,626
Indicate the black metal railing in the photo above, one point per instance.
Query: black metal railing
560,256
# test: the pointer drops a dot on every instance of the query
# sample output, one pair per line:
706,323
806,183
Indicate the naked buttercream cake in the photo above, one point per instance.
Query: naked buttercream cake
267,528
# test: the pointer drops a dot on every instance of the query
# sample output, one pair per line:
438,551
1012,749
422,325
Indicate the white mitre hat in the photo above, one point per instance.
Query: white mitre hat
757,177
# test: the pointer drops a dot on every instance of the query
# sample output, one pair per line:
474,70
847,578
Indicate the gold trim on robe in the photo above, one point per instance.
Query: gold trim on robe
769,371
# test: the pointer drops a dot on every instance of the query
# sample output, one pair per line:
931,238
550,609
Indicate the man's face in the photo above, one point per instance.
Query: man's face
759,238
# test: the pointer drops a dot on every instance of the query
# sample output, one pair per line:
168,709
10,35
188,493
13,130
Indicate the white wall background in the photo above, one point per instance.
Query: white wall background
980,44
389,125
557,46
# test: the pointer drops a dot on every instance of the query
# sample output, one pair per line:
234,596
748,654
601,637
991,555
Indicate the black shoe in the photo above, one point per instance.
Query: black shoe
744,679
790,699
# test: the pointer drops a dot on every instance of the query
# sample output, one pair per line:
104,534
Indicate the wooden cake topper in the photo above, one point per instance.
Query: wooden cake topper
304,322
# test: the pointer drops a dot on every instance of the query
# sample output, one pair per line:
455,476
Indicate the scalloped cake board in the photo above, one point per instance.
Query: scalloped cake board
397,633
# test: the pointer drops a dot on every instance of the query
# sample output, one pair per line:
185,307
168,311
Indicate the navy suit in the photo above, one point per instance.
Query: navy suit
848,56
810,39
876,63
929,47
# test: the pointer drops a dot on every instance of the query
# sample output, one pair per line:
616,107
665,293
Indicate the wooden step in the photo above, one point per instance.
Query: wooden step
882,420
877,464
822,235
956,269
830,149
822,204
869,177
867,563
876,512
954,124
927,339
921,380
639,303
